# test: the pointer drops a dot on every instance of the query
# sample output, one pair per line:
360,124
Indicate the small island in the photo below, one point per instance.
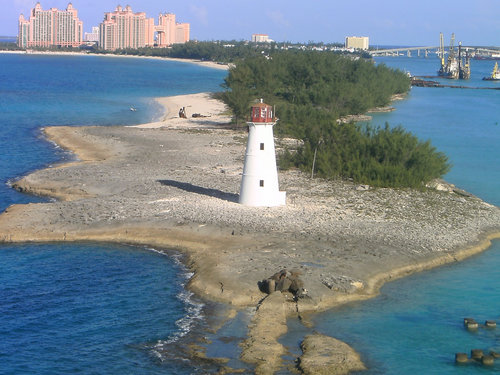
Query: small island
174,184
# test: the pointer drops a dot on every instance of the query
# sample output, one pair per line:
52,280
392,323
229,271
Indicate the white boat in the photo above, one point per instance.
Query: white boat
133,109
495,74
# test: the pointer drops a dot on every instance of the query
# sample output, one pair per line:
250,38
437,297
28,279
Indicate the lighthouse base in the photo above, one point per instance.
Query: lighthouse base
252,200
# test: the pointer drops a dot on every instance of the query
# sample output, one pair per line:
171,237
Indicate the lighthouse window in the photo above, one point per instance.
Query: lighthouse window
262,146
261,183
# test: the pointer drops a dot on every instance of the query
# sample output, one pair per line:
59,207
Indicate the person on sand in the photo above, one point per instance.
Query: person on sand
182,112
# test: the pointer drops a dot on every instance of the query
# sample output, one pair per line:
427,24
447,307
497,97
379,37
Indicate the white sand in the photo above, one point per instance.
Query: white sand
215,112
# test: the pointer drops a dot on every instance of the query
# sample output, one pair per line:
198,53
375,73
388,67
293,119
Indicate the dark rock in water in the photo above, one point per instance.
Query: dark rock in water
490,324
470,323
487,360
476,354
494,354
461,358
469,320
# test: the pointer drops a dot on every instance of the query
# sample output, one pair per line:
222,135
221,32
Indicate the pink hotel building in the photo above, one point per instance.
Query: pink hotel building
120,29
51,27
125,29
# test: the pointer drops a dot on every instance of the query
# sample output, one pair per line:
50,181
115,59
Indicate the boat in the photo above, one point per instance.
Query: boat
133,109
495,74
456,66
449,68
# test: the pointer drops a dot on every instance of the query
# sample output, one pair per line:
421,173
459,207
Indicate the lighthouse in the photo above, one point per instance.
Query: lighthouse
259,184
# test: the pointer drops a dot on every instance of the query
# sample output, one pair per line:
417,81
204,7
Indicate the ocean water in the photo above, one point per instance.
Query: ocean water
88,308
415,325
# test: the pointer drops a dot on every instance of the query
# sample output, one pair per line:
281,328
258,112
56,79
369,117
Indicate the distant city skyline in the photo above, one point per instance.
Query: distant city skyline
385,23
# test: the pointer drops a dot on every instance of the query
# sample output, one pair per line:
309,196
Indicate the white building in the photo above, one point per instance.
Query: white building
93,36
261,38
259,184
357,42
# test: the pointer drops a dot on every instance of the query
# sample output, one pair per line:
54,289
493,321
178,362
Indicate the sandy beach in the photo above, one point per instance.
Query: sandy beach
174,184
208,64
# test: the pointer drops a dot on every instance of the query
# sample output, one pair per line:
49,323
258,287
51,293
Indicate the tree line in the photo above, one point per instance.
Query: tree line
224,52
311,91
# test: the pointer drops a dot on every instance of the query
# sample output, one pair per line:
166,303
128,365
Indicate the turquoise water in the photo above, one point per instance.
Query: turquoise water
88,308
415,326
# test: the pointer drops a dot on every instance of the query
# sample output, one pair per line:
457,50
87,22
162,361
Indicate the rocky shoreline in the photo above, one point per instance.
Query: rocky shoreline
175,183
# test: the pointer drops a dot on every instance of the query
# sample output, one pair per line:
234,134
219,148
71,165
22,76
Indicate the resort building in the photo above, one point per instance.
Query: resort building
93,36
53,27
125,29
357,42
182,31
170,32
261,38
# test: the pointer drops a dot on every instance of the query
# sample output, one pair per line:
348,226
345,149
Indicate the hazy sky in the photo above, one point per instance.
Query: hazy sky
386,22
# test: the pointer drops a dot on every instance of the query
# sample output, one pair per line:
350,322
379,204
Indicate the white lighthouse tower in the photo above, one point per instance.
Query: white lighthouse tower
259,184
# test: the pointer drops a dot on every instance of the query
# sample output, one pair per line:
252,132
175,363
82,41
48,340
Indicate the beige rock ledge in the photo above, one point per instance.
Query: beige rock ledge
328,356
174,185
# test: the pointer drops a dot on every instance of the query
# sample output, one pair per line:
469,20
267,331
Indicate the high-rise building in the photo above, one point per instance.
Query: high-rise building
124,29
170,32
165,31
52,27
357,42
182,31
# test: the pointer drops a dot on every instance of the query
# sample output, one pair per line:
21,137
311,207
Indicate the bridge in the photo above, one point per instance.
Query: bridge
428,50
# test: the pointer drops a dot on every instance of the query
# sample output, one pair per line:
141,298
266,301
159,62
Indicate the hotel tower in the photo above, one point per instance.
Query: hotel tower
126,29
52,27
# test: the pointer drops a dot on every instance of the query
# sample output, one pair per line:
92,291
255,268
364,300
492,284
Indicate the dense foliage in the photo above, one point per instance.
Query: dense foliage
223,52
311,91
375,156
323,85
217,51
9,46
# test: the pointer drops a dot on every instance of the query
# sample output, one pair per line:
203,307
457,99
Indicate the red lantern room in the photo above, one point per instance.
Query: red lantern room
262,112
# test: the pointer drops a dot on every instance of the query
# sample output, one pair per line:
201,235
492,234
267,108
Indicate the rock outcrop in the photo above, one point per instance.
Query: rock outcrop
328,356
284,281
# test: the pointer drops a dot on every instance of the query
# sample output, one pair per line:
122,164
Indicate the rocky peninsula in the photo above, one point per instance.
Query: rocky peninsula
174,184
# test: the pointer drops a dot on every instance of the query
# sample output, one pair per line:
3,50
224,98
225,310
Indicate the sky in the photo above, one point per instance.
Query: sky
385,22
